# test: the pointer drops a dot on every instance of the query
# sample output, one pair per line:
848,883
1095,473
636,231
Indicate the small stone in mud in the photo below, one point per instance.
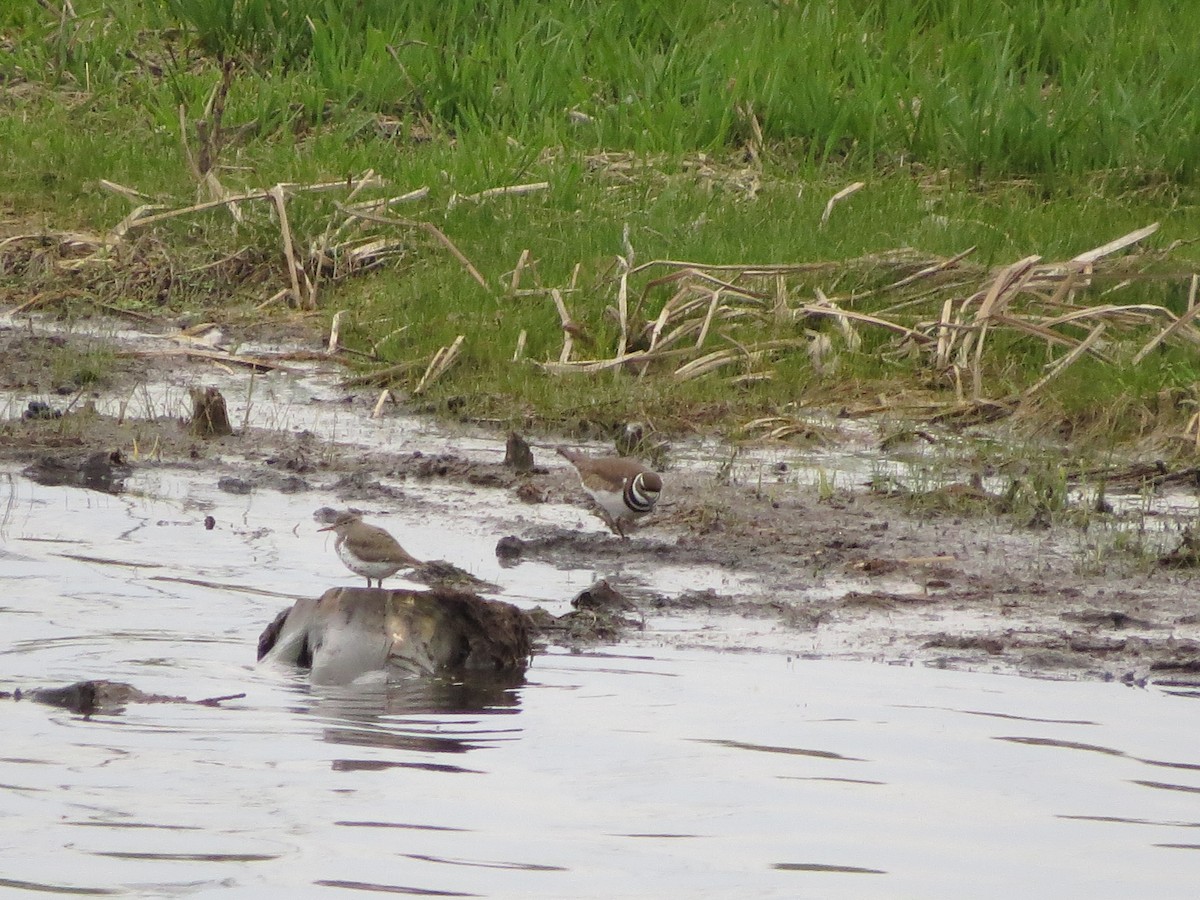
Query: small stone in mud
1186,555
517,455
510,547
879,566
292,484
39,410
602,596
209,523
102,471
529,492
1107,618
231,485
439,572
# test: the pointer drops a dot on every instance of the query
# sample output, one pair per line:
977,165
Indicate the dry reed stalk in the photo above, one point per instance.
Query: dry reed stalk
509,190
624,264
945,340
778,428
520,351
293,187
387,202
1131,314
1006,285
729,287
1113,246
1182,322
128,193
1036,330
320,253
930,270
335,332
838,197
1067,361
379,376
664,315
515,283
257,363
285,229
708,317
374,354
747,269
799,312
715,360
377,410
592,366
442,360
429,227
849,334
569,327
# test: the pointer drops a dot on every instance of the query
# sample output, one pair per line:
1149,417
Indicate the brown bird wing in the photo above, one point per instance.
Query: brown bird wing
382,547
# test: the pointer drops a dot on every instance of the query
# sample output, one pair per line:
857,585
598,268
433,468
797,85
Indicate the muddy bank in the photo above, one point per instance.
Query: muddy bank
758,557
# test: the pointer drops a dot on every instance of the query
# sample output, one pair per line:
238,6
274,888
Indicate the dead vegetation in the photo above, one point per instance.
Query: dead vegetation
948,320
944,312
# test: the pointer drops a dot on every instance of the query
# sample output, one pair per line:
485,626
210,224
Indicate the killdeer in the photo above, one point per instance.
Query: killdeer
623,488
368,550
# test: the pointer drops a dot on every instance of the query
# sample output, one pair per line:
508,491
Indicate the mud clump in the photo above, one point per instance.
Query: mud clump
103,471
349,632
209,415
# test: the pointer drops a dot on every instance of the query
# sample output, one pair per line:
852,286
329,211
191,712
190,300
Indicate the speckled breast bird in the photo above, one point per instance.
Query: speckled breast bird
368,550
623,488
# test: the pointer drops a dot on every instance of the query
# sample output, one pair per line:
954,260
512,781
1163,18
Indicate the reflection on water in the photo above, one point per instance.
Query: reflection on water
396,714
660,773
638,771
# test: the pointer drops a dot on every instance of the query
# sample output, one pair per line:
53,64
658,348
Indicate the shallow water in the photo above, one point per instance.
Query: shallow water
644,770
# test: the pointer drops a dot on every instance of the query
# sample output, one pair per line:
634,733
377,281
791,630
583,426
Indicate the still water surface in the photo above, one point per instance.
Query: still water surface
644,770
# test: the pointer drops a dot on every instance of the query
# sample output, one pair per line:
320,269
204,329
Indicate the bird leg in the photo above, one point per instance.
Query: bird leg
614,524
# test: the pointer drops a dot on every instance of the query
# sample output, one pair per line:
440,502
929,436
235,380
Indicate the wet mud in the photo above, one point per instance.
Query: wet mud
849,573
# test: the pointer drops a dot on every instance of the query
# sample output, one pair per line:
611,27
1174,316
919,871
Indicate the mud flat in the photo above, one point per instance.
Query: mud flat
766,547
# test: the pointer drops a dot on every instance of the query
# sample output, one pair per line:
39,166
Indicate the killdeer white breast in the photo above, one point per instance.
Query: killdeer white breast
623,488
368,550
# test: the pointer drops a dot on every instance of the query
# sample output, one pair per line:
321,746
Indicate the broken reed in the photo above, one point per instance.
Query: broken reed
737,322
945,312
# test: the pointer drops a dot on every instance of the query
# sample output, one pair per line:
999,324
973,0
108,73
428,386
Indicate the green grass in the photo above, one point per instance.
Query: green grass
1047,131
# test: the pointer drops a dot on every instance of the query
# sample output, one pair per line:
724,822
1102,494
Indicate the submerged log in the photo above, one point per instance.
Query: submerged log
352,632
100,696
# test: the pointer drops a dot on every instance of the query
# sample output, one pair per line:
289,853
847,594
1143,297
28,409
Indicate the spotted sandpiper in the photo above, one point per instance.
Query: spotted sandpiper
368,550
623,488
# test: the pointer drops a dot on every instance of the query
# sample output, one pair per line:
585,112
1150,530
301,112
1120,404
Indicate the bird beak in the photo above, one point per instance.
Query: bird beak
326,528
